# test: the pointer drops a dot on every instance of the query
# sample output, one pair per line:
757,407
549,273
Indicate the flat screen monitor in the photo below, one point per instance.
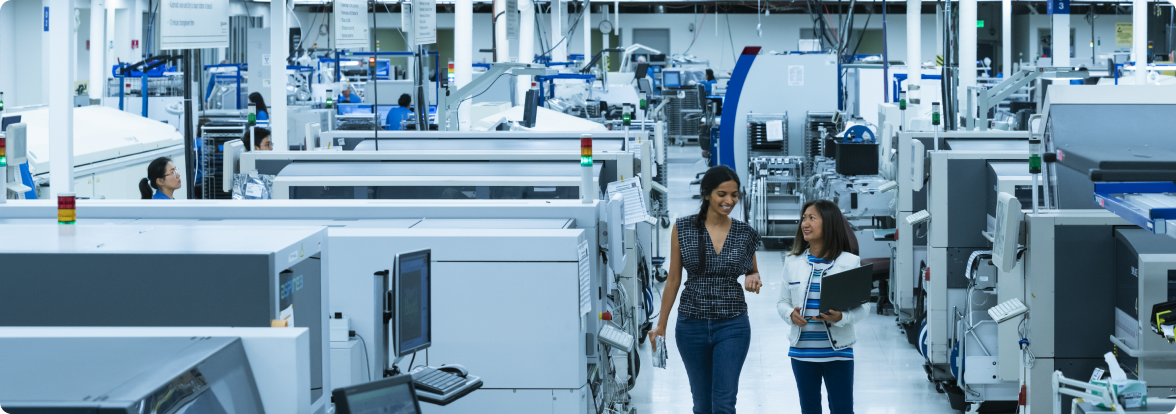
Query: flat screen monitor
672,79
9,120
393,395
659,58
641,71
412,329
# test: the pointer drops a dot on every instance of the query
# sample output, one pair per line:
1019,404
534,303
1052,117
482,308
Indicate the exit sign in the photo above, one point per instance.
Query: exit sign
979,23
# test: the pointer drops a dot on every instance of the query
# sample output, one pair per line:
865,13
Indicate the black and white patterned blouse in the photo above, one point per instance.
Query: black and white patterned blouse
715,292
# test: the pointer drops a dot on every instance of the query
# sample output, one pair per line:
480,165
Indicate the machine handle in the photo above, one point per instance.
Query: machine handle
917,156
1142,354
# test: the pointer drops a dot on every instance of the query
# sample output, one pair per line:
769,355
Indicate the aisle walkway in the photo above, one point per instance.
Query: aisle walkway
889,374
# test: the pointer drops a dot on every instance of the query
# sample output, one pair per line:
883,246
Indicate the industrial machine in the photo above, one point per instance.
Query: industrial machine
509,224
125,375
253,275
111,150
913,172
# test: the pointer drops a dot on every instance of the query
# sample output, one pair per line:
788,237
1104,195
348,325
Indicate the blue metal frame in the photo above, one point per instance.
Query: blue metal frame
551,79
237,77
731,110
1154,220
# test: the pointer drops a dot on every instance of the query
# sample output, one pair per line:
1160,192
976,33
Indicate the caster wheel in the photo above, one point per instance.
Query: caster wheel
665,222
939,388
661,275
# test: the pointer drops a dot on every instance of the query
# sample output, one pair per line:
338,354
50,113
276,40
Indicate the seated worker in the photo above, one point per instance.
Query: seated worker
399,113
348,97
261,140
709,83
262,110
162,176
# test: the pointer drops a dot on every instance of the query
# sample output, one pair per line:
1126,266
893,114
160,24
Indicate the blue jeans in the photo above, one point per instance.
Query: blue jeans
713,351
838,376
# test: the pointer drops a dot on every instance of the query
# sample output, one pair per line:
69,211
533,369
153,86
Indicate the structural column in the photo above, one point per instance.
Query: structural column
1139,43
97,48
526,44
967,54
914,58
502,46
279,49
59,35
463,54
560,54
1006,37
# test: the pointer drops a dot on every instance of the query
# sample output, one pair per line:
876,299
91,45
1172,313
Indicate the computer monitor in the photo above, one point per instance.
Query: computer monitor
641,71
672,79
393,395
657,59
412,327
9,120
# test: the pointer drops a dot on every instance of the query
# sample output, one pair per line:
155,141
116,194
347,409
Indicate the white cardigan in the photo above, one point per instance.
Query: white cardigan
797,272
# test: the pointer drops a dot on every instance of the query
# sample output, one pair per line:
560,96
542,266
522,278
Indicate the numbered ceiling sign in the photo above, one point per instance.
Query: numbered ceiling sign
193,24
424,15
1057,7
351,24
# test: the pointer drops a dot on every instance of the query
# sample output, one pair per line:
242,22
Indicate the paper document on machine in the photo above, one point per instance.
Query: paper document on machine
776,130
585,279
635,211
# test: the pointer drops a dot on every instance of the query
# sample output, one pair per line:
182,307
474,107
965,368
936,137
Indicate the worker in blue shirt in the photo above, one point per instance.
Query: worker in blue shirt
709,83
399,113
348,97
262,110
261,140
162,176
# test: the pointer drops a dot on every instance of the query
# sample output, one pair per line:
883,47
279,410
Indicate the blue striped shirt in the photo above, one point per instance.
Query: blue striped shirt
814,344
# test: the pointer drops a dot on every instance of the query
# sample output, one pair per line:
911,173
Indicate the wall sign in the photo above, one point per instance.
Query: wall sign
193,24
351,25
424,16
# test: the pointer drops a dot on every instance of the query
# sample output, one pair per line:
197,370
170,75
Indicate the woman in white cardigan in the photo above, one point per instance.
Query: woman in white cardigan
821,341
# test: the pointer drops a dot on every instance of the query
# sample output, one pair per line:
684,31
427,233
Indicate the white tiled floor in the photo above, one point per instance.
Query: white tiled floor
888,374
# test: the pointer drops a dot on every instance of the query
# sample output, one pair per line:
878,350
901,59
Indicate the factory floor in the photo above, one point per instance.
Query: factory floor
888,376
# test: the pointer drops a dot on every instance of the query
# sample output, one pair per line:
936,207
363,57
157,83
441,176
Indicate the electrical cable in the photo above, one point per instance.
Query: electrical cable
571,30
366,362
697,31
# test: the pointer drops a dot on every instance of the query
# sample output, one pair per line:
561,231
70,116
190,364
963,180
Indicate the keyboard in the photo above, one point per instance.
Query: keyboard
918,217
616,338
1007,310
437,382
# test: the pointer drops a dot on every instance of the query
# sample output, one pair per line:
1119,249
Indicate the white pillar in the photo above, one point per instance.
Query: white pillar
463,54
502,54
914,58
560,54
967,52
279,50
526,44
1006,37
97,47
588,28
1139,45
1061,39
60,95
110,45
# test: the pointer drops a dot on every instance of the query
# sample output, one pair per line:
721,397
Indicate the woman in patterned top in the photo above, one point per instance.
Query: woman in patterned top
821,342
712,332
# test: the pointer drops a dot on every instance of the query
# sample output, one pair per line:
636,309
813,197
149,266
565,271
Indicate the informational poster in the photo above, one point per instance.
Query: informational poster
424,15
512,19
635,210
193,24
795,75
1123,34
351,25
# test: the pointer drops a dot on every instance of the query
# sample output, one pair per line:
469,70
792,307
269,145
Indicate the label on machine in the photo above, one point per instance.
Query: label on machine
193,24
424,16
585,278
